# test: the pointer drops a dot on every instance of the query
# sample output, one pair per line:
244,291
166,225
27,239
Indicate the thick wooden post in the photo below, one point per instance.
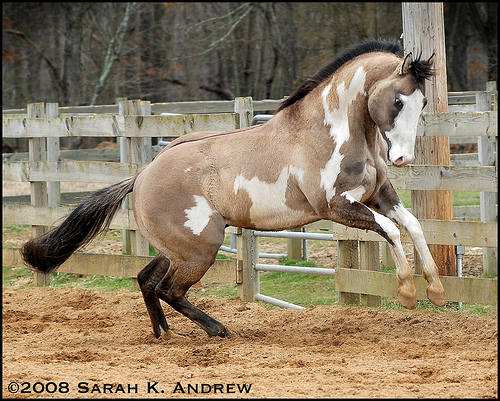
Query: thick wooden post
294,246
122,143
247,277
369,259
387,259
53,147
244,107
486,147
347,258
139,152
38,197
423,30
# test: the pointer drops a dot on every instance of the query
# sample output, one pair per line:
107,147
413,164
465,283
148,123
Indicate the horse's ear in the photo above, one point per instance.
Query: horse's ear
430,60
405,67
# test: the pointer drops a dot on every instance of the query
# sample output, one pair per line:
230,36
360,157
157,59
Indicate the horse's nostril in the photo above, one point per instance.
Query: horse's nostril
399,161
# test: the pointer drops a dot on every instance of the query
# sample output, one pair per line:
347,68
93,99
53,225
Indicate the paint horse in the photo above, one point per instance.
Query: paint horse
322,156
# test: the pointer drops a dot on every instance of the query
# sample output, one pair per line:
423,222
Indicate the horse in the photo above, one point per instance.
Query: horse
323,155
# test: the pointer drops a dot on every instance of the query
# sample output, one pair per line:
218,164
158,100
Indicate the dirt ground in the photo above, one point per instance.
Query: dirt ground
104,339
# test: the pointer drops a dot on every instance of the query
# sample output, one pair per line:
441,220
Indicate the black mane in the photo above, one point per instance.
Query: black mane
420,69
367,46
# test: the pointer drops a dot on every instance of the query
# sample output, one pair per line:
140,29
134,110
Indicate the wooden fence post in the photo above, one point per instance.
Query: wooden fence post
369,259
486,147
53,147
347,258
38,153
423,30
244,107
387,259
122,143
294,246
247,277
139,152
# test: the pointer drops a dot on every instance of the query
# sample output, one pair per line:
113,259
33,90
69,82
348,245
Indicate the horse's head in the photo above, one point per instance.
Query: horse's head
395,105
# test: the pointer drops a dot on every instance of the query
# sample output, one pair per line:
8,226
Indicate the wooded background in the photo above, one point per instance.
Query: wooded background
92,53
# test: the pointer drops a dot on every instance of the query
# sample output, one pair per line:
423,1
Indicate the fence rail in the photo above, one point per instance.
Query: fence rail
101,125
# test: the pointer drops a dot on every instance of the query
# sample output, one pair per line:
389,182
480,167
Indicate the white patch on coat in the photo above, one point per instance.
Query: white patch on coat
338,121
412,225
402,136
268,199
199,215
354,194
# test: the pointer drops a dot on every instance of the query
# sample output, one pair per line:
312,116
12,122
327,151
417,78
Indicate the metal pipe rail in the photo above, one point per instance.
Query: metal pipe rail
294,269
294,234
277,302
260,118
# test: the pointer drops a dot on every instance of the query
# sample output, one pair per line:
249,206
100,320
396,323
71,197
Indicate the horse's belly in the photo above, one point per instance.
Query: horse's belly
277,217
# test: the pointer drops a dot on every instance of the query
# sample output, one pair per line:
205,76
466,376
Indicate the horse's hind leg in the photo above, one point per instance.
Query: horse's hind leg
148,278
173,287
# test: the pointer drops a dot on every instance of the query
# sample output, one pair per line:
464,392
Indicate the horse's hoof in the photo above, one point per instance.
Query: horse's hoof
160,332
407,293
408,298
225,333
221,332
436,296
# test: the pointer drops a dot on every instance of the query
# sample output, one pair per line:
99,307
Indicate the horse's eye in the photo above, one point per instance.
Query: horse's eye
398,103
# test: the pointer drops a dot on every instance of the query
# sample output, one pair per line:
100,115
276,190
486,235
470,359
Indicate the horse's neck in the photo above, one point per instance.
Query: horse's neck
325,123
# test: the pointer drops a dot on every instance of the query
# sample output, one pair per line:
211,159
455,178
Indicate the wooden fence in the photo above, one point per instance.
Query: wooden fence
137,121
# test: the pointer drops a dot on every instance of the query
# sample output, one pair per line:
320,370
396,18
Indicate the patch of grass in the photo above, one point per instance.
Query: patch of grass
14,276
489,275
152,251
450,307
292,262
300,289
14,228
222,256
405,196
11,275
388,269
64,280
109,283
215,290
460,198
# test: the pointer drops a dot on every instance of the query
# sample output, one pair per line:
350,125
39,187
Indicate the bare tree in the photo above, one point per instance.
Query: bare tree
113,51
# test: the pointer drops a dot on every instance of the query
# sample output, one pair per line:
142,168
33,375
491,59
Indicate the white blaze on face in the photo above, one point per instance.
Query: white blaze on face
199,215
402,136
268,199
338,121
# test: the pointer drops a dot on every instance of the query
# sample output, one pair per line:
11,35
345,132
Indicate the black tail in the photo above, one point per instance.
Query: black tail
48,251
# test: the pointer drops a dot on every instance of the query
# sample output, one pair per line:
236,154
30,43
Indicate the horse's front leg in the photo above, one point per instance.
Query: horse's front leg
348,211
388,203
